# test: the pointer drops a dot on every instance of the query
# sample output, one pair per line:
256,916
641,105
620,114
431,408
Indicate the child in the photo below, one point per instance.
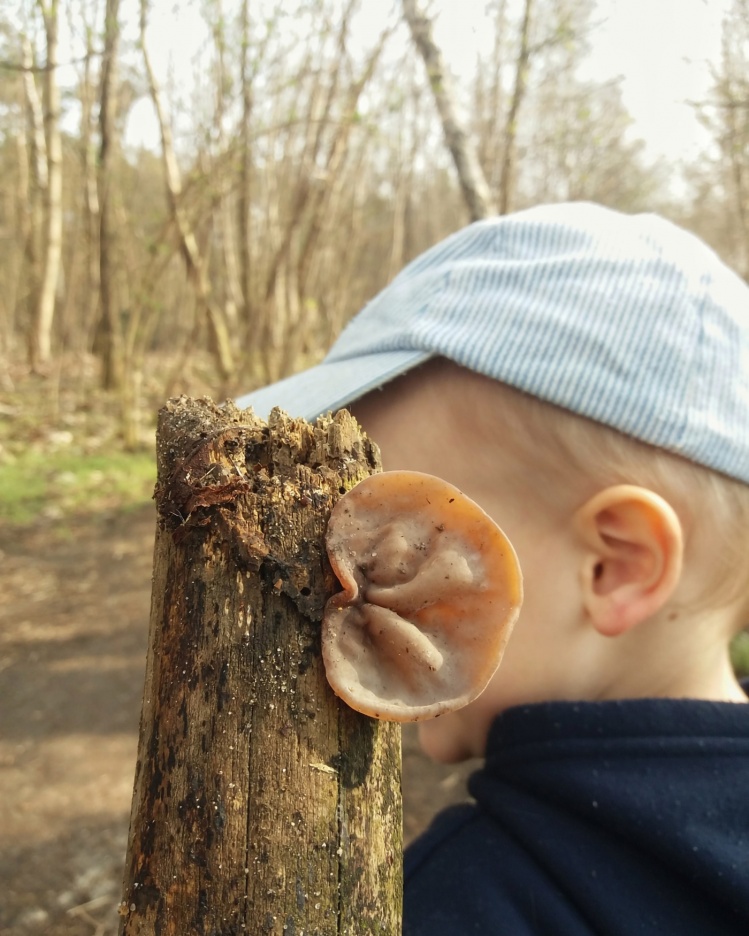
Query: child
583,376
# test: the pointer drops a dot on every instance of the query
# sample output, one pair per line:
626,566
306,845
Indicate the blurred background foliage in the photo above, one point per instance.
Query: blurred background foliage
304,168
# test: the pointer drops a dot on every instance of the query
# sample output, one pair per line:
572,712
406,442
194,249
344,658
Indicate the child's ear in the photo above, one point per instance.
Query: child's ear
633,549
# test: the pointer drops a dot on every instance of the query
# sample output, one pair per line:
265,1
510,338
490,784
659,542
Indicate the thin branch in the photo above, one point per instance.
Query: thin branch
21,67
470,174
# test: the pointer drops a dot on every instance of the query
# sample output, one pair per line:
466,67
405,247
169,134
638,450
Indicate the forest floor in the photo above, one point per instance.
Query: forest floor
74,604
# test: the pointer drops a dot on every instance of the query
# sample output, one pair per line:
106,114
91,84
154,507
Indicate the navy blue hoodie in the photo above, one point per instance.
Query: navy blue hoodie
615,818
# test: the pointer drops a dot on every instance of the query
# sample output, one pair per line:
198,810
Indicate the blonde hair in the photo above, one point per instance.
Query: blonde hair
578,457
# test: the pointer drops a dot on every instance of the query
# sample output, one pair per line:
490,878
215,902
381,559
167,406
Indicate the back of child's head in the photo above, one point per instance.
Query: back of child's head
573,457
621,344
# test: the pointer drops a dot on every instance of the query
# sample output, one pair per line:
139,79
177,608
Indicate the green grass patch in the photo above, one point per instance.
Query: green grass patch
740,654
59,483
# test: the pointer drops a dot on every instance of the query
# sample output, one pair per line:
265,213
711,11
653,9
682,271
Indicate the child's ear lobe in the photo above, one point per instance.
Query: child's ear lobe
633,550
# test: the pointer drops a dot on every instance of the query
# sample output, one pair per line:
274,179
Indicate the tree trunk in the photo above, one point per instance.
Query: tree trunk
90,308
224,177
41,346
20,284
110,339
245,173
262,804
489,100
507,177
34,207
470,175
195,263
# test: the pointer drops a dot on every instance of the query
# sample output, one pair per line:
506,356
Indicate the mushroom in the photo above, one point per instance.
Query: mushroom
431,590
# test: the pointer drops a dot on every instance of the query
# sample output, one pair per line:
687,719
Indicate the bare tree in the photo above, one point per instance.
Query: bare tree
330,106
717,182
91,183
470,175
197,269
245,171
223,197
32,217
580,147
726,114
489,97
109,331
511,124
16,258
41,333
407,139
313,167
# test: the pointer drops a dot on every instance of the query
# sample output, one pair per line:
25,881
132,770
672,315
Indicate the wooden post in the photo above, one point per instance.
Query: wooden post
262,804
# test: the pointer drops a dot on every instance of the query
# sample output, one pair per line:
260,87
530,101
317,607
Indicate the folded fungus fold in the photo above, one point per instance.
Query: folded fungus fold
431,588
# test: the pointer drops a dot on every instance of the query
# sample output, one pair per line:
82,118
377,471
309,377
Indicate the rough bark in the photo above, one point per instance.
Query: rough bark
261,804
470,175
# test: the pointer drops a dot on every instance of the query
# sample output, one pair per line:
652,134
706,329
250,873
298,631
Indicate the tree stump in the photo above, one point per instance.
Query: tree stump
262,804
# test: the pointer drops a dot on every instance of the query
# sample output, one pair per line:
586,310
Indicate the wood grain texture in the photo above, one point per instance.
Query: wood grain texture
261,804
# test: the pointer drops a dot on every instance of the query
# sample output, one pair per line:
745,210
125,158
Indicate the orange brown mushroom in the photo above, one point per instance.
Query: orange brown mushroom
431,590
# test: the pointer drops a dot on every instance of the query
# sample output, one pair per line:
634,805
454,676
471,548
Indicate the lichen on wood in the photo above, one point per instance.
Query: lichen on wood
262,804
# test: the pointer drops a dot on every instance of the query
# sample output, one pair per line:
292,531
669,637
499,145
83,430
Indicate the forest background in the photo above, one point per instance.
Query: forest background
316,148
304,165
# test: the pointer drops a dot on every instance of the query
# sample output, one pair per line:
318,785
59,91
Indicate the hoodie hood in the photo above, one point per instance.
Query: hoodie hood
614,817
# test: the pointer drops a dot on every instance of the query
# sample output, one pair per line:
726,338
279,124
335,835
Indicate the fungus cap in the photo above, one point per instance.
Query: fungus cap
431,590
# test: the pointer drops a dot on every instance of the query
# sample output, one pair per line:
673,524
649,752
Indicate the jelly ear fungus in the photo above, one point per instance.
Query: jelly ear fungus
431,590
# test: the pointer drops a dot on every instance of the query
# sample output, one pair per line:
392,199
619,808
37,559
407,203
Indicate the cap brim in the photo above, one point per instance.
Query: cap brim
332,384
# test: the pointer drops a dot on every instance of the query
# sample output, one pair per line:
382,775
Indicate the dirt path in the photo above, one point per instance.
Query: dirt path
73,626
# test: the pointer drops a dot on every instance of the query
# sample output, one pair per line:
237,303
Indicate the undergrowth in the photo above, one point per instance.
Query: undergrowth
53,484
61,447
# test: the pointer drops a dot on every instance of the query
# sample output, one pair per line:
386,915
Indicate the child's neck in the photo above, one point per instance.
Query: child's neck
651,661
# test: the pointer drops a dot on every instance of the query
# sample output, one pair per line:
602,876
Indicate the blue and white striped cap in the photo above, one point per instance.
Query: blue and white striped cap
625,319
